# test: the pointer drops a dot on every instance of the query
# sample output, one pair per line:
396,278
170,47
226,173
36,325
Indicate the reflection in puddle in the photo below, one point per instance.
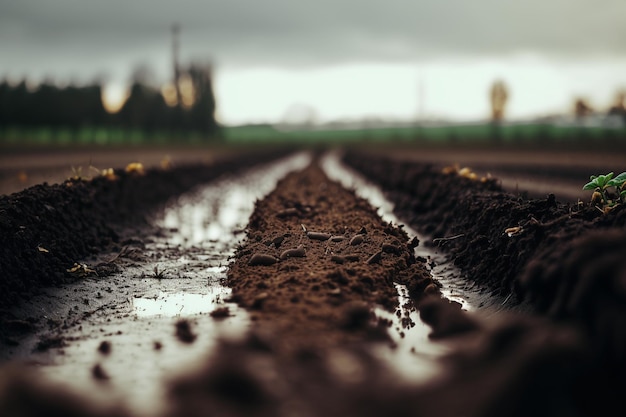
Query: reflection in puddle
219,212
414,351
145,353
173,305
183,280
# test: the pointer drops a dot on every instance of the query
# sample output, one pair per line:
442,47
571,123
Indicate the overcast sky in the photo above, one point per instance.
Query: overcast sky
317,54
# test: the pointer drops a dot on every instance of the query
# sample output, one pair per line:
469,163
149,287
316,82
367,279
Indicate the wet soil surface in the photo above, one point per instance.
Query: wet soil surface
317,254
322,285
559,260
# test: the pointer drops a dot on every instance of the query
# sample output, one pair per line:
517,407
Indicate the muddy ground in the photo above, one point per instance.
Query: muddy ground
316,271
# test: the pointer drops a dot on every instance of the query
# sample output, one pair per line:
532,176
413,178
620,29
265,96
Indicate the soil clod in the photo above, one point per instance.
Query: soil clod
318,236
184,332
99,373
262,259
298,252
375,258
356,240
220,313
105,347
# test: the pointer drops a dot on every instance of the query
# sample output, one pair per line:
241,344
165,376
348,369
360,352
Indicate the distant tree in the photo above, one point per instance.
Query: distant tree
582,108
142,109
619,107
75,107
45,106
202,112
498,95
17,105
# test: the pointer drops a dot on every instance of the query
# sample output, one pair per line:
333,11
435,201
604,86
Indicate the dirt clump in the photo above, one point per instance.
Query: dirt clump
184,333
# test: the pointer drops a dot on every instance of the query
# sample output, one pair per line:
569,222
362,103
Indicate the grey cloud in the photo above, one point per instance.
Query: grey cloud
292,32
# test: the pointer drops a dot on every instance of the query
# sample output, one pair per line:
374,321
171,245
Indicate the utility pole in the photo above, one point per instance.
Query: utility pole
420,99
175,47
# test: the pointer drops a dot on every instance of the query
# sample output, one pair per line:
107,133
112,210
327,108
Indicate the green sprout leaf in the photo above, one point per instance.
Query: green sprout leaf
618,181
590,186
603,180
601,184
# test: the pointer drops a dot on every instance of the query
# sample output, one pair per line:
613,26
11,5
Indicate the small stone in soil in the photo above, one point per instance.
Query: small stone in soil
338,259
356,240
105,347
318,236
287,213
220,313
184,333
389,248
99,373
293,253
262,259
278,241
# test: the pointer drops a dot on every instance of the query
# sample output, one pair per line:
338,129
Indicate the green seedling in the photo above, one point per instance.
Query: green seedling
602,184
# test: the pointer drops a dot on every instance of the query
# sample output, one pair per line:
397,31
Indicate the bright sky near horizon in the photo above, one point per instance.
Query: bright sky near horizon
334,59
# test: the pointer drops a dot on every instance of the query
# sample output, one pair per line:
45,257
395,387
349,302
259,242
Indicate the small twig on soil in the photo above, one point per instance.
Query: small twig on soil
445,239
552,222
122,252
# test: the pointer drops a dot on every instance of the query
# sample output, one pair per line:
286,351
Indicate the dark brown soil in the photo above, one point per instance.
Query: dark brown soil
507,365
46,230
564,261
330,260
317,259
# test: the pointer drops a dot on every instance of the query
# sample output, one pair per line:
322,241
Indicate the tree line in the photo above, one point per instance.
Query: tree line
76,107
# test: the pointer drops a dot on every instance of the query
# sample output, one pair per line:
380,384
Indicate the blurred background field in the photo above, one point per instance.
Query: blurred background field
475,134
85,85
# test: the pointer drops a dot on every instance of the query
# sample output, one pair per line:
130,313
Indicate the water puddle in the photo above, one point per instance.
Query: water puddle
172,305
178,275
165,279
216,215
454,288
413,354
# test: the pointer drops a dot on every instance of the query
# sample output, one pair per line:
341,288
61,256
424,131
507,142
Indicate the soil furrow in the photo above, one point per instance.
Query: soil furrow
317,262
560,260
46,230
317,259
